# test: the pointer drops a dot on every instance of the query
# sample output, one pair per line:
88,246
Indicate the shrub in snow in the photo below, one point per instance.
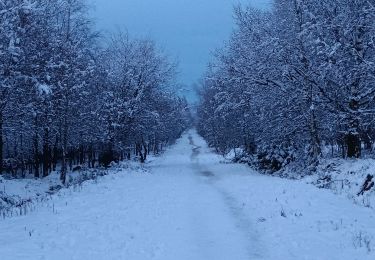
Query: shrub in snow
352,178
107,157
363,240
240,156
367,185
274,158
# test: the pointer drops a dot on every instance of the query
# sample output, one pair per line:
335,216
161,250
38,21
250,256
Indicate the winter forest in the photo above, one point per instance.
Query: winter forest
103,156
66,100
294,85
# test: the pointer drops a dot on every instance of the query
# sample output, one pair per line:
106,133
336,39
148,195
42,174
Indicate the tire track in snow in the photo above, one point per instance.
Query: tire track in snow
241,221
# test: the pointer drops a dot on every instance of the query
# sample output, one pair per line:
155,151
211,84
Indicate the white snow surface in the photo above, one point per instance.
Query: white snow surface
189,204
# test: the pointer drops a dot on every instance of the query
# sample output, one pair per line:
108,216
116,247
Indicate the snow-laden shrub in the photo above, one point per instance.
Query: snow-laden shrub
107,157
274,158
240,156
269,159
351,178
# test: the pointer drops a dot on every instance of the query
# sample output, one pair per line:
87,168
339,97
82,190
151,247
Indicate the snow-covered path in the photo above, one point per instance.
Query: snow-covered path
188,205
169,213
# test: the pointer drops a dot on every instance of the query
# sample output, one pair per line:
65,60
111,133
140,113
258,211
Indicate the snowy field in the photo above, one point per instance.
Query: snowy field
188,204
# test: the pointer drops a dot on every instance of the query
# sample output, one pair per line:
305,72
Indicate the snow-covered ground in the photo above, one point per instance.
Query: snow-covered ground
20,196
188,204
346,177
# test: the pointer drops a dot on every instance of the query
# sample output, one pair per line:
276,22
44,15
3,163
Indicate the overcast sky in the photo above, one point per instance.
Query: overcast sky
187,29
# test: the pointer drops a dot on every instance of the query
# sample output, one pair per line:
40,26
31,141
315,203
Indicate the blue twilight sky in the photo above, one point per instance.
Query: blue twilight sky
187,29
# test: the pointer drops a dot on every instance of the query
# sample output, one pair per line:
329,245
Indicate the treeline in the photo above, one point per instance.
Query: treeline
292,82
66,101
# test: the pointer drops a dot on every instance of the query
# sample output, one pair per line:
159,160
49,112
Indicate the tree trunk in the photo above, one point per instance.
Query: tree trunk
89,155
145,151
64,166
36,156
354,145
23,166
46,152
142,151
81,155
315,149
1,143
36,148
353,139
55,154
